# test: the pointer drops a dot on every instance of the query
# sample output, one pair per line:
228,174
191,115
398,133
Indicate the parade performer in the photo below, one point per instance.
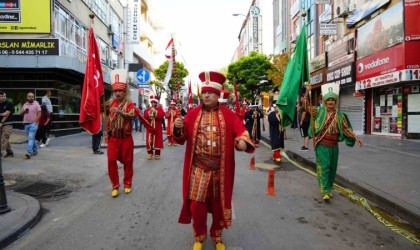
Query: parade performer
243,110
154,115
253,123
212,132
224,95
276,134
329,127
120,140
171,114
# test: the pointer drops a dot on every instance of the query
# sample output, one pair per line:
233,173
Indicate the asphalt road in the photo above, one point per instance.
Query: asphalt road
88,218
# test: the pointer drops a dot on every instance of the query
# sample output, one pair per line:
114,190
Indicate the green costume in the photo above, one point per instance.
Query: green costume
330,127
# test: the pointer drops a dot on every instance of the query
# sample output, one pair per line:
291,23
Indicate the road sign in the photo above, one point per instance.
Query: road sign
143,86
143,76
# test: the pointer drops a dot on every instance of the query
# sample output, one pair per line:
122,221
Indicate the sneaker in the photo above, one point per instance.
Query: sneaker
28,156
303,148
98,152
42,145
9,154
34,153
47,141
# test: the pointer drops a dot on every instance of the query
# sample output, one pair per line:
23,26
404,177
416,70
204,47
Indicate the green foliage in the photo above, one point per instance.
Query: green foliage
248,72
181,73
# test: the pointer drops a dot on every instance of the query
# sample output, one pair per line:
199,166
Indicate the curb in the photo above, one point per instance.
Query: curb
383,200
31,215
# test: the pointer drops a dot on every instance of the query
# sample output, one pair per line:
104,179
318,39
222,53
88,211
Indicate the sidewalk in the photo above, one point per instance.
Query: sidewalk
385,171
25,211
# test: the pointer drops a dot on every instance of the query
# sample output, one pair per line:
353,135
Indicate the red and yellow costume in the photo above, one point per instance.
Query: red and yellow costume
120,142
209,168
154,142
171,114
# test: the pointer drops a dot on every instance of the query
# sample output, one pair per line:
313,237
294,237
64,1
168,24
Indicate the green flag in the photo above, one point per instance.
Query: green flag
297,73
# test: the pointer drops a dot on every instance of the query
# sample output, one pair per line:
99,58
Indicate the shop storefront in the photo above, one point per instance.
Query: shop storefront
394,97
318,74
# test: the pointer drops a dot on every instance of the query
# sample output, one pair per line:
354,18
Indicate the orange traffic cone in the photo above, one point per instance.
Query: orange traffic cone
252,163
270,190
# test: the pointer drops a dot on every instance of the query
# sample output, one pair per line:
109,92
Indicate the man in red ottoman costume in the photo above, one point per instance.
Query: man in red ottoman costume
154,115
171,114
212,132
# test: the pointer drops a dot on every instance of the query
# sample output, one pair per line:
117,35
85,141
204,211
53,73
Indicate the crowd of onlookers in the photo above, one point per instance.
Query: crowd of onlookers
36,121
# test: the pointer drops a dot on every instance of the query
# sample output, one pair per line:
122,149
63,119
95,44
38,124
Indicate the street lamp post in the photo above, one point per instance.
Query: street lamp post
4,207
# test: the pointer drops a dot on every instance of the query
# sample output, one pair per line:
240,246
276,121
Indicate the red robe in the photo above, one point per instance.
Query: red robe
171,115
154,139
231,128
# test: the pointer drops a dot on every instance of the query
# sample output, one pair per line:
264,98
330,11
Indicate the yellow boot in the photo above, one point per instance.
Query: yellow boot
127,190
157,157
220,246
198,245
326,198
149,157
114,193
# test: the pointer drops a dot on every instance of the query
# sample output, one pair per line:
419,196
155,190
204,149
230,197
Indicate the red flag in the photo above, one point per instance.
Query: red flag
93,89
190,99
237,107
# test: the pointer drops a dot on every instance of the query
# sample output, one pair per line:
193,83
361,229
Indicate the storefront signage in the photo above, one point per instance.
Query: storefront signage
412,15
327,29
380,69
133,22
25,16
383,31
317,63
343,74
255,33
341,50
317,78
364,11
36,47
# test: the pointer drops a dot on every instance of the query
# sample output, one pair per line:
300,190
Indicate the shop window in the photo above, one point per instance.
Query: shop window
387,111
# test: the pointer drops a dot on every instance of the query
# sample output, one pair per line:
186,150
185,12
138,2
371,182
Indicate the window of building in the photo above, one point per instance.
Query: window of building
103,49
99,7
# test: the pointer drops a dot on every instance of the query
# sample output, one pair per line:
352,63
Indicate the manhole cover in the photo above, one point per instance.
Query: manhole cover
38,188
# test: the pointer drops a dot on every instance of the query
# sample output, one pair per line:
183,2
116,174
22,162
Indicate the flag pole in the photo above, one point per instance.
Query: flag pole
92,16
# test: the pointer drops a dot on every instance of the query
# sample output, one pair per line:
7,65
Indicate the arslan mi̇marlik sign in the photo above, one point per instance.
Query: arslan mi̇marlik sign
37,47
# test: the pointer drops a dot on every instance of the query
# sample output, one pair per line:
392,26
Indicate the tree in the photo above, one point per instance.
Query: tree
278,68
248,72
181,73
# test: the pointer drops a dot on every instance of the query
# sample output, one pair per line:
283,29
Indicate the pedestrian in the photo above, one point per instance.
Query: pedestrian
163,119
31,112
96,142
276,133
304,123
136,122
120,139
154,115
253,123
141,113
330,126
6,111
44,121
212,132
171,114
47,102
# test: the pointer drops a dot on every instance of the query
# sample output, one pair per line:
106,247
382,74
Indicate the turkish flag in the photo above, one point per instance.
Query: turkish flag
93,89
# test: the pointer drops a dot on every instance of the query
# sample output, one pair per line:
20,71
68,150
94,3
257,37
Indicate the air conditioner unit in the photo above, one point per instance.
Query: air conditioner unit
342,10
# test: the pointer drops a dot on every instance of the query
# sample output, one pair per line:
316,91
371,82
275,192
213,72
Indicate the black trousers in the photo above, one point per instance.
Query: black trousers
96,141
